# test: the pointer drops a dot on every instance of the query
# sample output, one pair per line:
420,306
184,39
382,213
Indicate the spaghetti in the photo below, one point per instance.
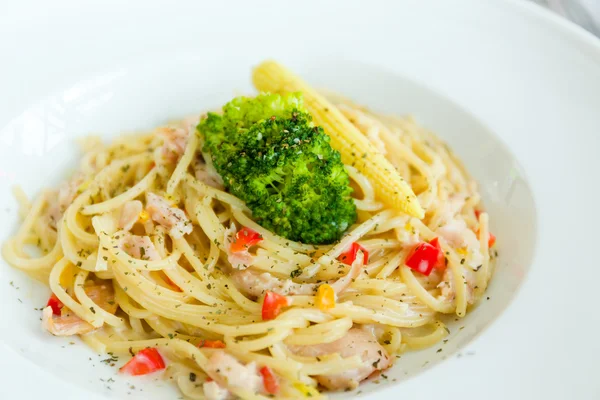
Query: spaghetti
137,250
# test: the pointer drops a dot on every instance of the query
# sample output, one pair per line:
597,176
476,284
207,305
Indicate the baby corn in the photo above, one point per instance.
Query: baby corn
355,148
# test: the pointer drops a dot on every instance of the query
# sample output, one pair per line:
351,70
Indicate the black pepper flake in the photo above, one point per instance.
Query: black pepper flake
295,273
192,377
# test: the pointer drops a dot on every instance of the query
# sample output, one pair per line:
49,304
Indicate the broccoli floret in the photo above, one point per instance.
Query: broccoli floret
271,156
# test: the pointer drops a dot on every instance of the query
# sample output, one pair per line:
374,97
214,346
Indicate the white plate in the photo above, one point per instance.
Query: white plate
514,90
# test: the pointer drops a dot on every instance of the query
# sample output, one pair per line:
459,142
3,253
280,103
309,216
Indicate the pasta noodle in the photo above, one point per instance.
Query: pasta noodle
131,278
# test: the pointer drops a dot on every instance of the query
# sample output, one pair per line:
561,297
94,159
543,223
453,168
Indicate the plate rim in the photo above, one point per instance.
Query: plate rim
575,33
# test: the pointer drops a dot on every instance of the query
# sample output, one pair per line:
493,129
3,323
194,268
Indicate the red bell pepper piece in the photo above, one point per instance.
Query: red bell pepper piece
349,256
272,305
491,239
144,362
269,380
55,303
423,258
244,239
441,260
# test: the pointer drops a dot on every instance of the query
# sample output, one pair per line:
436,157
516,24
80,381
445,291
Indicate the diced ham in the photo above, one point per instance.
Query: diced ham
175,138
68,323
255,284
171,218
140,247
68,191
355,342
190,123
103,295
212,391
54,214
205,172
129,214
448,292
174,142
65,196
458,235
228,371
451,207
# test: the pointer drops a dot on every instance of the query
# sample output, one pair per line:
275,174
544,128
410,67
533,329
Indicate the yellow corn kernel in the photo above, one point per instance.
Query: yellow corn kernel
307,391
354,147
325,297
408,227
144,216
462,251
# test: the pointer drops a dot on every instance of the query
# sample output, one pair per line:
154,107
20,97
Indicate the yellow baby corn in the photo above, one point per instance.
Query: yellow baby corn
355,148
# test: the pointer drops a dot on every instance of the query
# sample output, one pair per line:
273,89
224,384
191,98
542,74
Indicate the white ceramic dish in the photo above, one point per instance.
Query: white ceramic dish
513,89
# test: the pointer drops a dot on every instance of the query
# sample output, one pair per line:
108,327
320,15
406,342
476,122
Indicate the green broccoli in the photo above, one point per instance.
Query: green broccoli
271,156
